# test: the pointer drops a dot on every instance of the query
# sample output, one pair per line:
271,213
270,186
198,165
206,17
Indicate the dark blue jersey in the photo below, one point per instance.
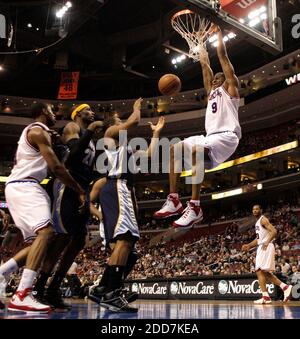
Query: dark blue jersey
80,161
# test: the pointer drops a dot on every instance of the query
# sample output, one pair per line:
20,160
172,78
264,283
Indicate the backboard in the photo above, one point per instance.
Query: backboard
253,20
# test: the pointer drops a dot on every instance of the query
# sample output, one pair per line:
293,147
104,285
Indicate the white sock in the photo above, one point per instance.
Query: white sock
9,267
283,285
265,294
195,202
27,279
174,195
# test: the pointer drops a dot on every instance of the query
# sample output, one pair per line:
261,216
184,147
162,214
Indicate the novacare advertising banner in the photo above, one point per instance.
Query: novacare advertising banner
211,288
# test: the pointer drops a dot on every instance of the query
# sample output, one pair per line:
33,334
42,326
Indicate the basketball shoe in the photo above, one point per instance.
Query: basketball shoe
24,301
55,300
170,208
263,300
114,301
191,215
96,294
287,290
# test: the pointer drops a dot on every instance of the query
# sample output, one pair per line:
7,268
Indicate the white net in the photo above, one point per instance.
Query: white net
194,29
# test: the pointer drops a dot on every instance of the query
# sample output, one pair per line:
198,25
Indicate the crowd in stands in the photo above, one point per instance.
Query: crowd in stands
216,253
213,253
263,139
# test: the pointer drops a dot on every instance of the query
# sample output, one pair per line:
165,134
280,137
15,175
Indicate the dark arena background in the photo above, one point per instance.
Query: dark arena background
108,53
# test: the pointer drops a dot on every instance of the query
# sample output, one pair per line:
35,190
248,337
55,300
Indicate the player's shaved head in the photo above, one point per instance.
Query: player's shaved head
218,80
256,210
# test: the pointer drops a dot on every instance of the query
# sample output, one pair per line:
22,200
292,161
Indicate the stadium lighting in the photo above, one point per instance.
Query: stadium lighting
263,16
262,9
231,35
178,59
253,14
60,13
254,22
213,38
227,37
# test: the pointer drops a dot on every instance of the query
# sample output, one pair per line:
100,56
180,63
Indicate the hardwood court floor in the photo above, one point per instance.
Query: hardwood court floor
174,309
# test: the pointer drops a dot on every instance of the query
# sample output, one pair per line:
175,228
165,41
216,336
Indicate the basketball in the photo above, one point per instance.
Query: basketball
169,84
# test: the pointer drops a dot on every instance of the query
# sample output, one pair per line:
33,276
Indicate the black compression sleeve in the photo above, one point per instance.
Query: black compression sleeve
78,146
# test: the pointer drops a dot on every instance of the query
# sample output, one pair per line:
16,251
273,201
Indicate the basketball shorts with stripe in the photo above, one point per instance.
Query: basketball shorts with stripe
29,206
118,210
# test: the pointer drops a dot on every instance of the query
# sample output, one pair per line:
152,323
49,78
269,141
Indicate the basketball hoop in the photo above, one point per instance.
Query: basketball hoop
194,29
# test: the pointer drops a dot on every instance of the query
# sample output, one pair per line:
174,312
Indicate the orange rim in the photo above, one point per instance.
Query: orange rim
185,11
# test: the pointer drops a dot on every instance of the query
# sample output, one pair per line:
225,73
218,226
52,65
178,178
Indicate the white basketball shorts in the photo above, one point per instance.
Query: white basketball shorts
265,259
220,145
29,206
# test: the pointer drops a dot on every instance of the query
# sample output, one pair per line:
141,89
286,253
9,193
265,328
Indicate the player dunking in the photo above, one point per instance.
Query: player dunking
29,203
265,256
222,134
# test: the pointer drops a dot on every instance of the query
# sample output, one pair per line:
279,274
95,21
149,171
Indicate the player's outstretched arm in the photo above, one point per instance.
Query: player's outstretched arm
132,121
207,72
156,129
231,83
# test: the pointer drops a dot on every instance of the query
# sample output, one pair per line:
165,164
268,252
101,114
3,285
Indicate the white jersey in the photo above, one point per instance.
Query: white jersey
29,163
121,163
222,113
262,234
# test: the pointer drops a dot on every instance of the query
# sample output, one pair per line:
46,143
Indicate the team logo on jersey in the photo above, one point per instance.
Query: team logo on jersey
223,286
215,93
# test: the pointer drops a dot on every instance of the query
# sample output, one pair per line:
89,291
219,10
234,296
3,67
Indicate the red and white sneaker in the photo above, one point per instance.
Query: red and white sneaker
24,301
287,290
171,207
192,214
263,300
